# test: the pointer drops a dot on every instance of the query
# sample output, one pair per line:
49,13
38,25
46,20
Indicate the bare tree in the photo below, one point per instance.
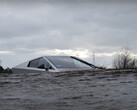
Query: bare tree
124,60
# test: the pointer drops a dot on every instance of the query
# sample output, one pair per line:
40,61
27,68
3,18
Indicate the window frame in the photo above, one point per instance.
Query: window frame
52,68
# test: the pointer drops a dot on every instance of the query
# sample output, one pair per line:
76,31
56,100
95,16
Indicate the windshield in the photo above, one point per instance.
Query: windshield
67,62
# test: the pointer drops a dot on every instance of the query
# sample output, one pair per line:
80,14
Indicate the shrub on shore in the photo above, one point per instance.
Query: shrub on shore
124,60
6,70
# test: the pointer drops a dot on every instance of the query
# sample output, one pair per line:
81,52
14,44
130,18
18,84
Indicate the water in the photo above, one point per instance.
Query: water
68,91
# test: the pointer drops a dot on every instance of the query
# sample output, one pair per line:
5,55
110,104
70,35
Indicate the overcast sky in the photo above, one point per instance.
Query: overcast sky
33,29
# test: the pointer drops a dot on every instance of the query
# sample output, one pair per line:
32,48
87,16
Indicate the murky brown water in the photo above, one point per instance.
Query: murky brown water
68,91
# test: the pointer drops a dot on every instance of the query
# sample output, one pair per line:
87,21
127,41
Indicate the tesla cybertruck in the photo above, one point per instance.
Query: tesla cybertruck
53,64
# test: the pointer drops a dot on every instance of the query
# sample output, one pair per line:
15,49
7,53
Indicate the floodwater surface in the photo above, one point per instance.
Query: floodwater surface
69,91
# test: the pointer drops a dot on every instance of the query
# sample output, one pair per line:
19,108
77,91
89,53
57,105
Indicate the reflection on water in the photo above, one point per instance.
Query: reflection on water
68,91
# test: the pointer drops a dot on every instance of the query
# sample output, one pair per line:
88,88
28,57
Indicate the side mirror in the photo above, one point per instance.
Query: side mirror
43,67
47,69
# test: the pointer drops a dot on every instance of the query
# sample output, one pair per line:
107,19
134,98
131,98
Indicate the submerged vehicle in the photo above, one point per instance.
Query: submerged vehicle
53,64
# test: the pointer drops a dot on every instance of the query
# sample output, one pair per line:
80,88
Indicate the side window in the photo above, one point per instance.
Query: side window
34,63
44,64
40,63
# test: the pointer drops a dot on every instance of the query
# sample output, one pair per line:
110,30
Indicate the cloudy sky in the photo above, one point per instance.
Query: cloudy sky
33,29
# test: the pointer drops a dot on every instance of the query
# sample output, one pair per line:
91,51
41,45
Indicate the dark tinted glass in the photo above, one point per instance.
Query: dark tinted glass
39,62
67,62
43,61
34,63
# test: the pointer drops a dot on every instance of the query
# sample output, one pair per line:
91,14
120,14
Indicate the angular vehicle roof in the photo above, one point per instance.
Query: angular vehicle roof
56,64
